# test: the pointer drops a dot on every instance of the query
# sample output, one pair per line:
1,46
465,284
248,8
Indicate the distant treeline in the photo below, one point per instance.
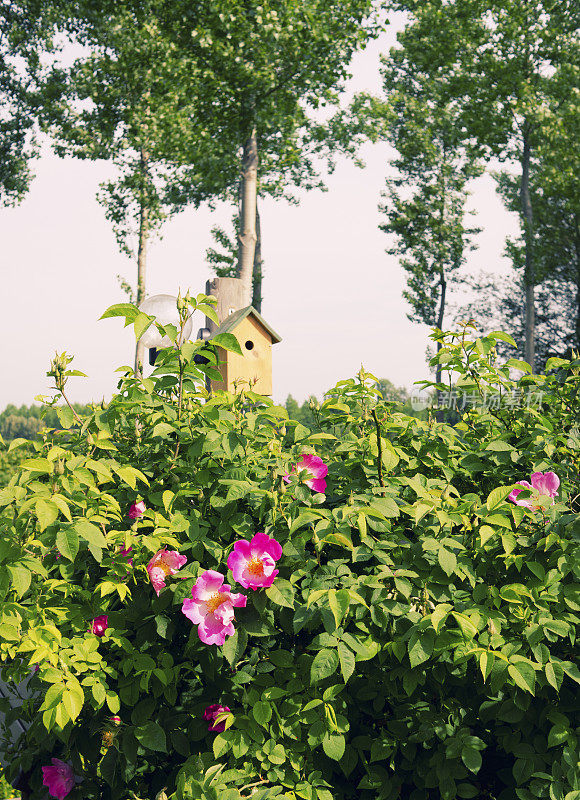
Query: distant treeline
26,421
307,412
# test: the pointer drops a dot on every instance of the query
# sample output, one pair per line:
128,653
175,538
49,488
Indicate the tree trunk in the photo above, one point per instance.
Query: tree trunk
439,413
577,248
142,254
247,235
528,225
257,274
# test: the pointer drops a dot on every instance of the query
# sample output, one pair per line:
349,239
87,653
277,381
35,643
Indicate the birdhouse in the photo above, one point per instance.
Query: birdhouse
253,368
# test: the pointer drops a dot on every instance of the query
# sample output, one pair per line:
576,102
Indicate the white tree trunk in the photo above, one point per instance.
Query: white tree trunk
142,259
529,278
247,235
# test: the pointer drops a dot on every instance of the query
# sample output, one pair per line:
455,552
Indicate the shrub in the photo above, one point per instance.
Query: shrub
417,641
10,461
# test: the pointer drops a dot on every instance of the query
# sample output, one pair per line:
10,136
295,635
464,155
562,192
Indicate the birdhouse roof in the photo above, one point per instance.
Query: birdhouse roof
232,322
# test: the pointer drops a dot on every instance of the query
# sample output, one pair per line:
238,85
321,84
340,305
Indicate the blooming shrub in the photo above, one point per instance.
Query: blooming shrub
417,641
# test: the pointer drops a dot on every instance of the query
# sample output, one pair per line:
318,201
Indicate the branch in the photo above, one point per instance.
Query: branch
379,447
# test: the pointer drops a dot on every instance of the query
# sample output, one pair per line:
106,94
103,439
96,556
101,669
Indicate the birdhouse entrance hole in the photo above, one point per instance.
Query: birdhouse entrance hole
249,345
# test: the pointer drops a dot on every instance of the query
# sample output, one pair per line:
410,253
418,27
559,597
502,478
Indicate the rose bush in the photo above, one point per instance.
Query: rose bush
417,640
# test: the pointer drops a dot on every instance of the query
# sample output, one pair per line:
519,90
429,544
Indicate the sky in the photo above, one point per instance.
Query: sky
330,290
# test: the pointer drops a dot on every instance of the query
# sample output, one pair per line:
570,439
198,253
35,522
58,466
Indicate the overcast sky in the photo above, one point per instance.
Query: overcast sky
330,290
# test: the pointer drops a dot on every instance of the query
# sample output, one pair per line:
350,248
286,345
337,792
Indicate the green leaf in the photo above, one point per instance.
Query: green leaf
440,614
127,310
221,744
21,578
447,560
502,336
486,662
339,602
162,429
324,665
65,416
471,758
467,627
209,311
152,736
37,465
62,505
281,592
420,646
334,745
262,712
523,675
234,646
67,542
485,534
276,754
47,513
227,341
554,676
499,446
497,495
303,519
73,700
347,661
386,506
559,734
17,443
90,533
466,790
515,363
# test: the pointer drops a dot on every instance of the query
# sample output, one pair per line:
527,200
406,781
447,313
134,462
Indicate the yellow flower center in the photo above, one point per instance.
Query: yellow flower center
215,601
255,567
163,566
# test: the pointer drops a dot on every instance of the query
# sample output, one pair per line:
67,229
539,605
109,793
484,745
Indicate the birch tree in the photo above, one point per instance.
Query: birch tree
126,102
497,57
25,32
264,63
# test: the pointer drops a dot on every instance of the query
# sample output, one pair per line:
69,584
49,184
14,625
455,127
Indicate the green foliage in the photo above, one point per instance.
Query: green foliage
22,28
427,226
306,413
25,422
508,69
418,641
6,791
10,462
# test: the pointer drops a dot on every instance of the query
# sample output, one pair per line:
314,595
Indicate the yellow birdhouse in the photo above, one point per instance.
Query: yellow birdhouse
252,369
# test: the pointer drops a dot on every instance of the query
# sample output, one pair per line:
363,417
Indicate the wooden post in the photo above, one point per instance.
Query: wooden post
230,293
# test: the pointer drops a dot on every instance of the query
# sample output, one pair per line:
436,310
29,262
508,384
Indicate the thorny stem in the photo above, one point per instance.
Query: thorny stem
379,447
250,785
65,398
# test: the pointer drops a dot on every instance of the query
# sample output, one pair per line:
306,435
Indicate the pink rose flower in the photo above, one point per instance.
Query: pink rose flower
99,625
252,563
212,607
315,467
210,714
544,484
164,562
59,778
137,510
